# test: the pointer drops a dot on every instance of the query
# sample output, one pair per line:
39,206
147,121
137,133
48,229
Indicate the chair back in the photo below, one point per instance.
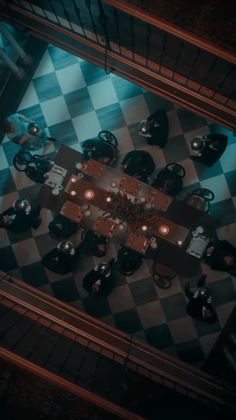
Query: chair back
170,179
200,198
110,139
128,261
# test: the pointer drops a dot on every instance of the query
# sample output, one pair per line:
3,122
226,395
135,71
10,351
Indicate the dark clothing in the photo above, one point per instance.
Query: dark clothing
95,276
34,174
158,128
101,150
139,164
94,243
60,262
216,259
20,221
169,182
215,145
199,305
61,227
128,261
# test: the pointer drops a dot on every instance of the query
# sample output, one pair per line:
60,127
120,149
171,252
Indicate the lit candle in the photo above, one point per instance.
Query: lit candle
73,179
89,194
164,230
108,199
180,243
144,228
73,192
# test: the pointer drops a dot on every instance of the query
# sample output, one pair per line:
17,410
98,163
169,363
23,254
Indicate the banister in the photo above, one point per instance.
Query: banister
141,355
172,29
157,83
77,390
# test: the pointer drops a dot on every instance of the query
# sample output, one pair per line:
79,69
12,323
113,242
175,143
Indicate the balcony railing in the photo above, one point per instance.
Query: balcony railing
192,70
89,354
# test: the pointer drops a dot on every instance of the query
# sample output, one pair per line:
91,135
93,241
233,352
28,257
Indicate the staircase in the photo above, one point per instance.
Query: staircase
99,363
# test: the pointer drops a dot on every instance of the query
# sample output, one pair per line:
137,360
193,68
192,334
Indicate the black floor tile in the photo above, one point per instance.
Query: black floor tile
222,291
174,306
190,121
96,306
231,181
7,184
143,291
7,259
128,321
204,328
190,352
65,290
159,336
34,274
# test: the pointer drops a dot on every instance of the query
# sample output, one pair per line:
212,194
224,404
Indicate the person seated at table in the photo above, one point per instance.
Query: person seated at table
199,305
20,217
168,181
155,128
62,259
61,227
98,281
208,149
98,149
139,164
128,261
94,243
25,132
221,256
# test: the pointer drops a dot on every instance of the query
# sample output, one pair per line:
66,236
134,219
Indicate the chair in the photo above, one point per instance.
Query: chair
170,179
200,198
162,275
128,261
62,228
110,139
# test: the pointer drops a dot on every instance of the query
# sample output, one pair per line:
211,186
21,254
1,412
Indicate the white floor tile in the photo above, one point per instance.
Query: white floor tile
30,98
86,126
228,159
102,94
3,160
55,111
134,109
175,128
26,252
219,186
70,78
45,66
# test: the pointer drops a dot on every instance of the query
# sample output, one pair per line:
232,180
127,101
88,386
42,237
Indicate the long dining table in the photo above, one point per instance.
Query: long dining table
126,210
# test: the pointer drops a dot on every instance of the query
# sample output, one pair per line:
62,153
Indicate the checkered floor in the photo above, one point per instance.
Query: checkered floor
76,100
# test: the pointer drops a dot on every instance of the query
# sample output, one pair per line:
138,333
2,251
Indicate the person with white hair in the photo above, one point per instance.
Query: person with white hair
208,149
20,217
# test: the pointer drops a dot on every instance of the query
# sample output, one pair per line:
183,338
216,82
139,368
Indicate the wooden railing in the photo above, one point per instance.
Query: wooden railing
128,352
138,46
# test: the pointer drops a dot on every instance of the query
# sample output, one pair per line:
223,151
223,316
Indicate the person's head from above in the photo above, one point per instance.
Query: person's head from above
7,126
143,128
66,247
169,185
134,166
197,144
230,260
33,129
22,204
89,145
104,269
